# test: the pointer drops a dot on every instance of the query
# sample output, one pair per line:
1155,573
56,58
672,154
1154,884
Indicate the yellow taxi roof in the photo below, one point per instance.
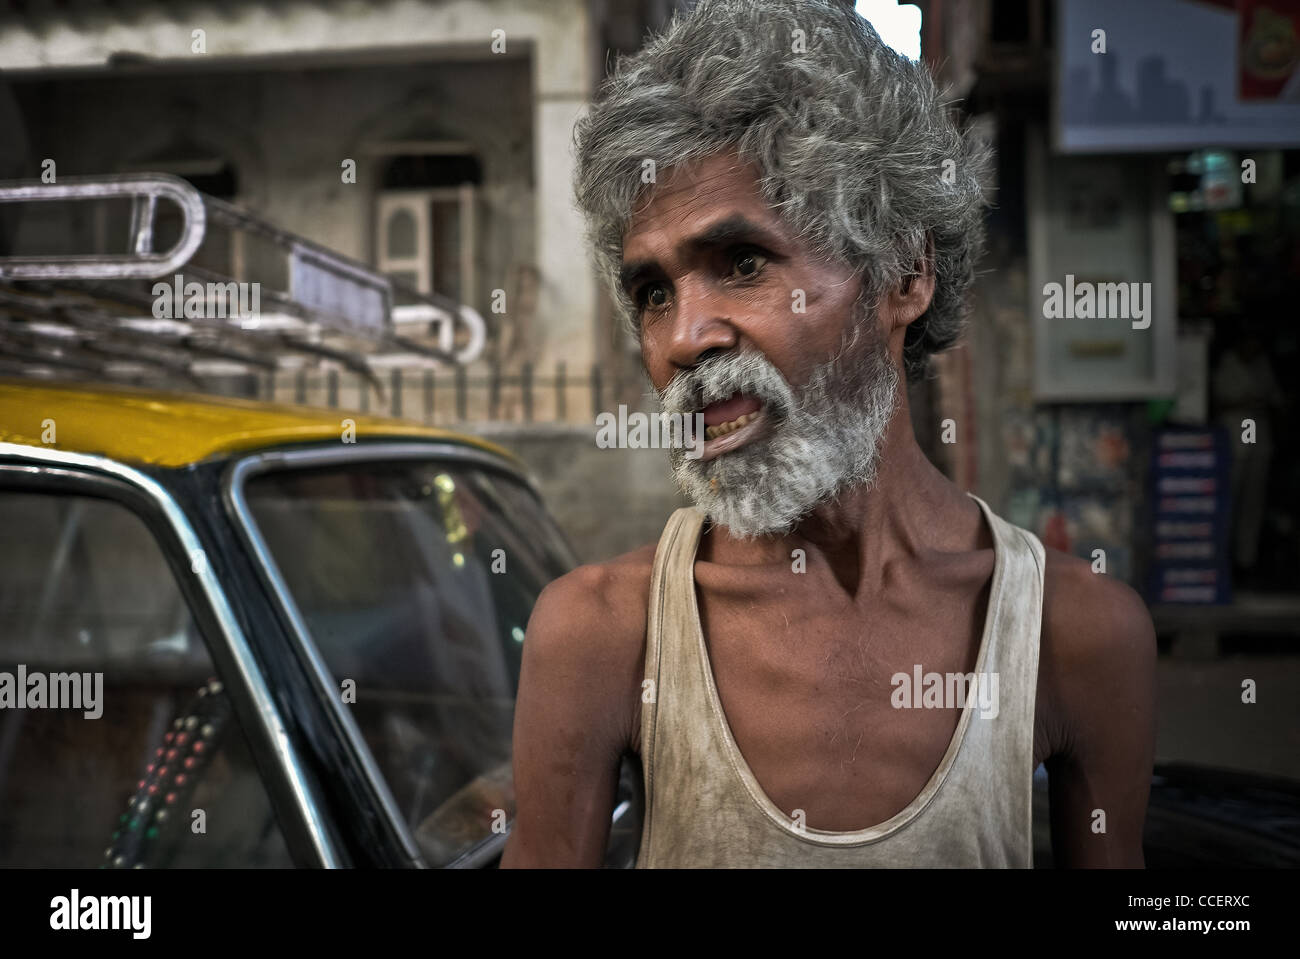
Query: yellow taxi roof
176,429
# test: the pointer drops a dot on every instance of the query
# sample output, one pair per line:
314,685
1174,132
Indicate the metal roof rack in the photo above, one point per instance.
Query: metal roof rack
229,293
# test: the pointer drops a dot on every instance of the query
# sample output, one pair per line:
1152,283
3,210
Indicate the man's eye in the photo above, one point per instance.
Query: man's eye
747,263
653,295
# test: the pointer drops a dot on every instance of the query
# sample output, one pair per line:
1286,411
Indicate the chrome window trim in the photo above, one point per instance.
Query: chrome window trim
237,476
268,714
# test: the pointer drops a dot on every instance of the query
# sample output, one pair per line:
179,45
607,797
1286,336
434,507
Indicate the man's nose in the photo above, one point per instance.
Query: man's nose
701,327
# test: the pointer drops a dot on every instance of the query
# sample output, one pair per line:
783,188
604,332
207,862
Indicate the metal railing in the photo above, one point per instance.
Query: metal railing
461,395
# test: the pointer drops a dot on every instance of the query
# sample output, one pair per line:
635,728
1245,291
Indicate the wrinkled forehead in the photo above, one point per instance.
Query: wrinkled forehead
716,185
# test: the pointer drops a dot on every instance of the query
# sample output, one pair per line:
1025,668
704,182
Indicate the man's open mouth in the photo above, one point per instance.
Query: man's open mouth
731,423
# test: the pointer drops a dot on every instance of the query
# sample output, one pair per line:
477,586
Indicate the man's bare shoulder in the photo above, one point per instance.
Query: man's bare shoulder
1090,615
586,637
598,602
1098,647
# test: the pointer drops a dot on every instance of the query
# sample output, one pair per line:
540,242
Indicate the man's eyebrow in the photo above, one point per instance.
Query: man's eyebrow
734,229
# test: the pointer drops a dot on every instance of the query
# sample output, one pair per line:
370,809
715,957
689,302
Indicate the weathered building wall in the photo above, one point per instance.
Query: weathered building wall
525,109
287,132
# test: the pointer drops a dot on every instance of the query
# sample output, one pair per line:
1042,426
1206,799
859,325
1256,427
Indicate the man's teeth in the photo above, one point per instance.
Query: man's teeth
722,429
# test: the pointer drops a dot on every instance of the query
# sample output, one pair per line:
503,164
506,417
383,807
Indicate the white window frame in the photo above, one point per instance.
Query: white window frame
419,203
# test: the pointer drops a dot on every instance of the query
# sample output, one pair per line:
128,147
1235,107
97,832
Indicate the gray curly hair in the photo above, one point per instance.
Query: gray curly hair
851,140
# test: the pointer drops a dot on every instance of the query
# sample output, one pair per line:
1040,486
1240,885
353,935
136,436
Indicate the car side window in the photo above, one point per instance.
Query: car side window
416,581
118,744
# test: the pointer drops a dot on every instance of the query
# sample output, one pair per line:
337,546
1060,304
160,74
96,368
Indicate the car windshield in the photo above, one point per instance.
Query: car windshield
416,580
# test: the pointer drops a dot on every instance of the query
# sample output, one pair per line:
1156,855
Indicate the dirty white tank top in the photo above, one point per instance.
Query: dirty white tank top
705,808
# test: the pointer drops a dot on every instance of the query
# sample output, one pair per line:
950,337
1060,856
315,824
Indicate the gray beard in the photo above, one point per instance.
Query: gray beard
822,440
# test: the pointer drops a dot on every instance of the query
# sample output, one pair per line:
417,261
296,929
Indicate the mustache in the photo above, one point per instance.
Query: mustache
724,375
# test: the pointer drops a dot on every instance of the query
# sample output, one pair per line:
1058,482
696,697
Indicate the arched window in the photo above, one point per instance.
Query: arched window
425,218
401,233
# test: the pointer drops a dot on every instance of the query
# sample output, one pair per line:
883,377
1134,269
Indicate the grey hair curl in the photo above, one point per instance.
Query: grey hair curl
850,138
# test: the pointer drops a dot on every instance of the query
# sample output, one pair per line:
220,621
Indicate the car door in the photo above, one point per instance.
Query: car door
134,729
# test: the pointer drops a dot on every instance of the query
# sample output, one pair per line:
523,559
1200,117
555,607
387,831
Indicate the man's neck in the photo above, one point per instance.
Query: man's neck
909,509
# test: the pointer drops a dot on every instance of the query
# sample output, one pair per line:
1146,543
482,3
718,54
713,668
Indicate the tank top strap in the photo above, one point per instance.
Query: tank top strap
1000,750
1017,605
670,618
673,573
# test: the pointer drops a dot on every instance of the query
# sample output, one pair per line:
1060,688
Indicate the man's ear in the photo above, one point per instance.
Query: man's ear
912,296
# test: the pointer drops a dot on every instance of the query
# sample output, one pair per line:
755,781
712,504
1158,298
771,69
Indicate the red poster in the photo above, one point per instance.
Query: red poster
1268,50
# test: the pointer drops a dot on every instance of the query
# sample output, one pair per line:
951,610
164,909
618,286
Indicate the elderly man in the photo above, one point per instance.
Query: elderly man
836,658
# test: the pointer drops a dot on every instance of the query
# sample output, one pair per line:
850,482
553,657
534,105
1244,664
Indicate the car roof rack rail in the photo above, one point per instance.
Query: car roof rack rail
199,284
